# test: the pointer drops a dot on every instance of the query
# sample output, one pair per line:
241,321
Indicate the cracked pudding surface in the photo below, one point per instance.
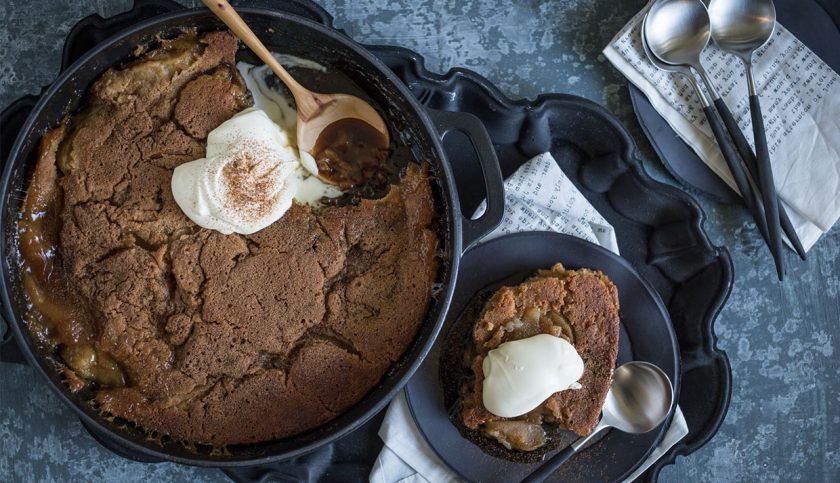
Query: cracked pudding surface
210,338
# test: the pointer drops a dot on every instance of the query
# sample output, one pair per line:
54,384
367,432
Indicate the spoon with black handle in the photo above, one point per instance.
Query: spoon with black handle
749,195
677,32
639,399
741,27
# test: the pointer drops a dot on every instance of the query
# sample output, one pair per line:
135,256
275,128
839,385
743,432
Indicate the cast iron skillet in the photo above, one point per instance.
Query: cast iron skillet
420,130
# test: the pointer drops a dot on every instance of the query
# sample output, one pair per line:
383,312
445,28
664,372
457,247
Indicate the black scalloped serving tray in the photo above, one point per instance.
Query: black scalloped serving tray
659,228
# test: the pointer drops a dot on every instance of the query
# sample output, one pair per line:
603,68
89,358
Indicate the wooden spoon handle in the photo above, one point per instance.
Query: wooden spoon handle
228,15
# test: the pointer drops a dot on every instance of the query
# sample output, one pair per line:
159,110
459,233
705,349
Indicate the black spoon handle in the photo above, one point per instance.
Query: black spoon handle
746,152
550,466
767,186
751,199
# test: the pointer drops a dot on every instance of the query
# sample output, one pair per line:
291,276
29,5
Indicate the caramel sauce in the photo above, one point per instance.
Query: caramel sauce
53,317
350,152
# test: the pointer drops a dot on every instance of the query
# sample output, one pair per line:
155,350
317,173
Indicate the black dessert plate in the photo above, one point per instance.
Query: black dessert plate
646,335
660,228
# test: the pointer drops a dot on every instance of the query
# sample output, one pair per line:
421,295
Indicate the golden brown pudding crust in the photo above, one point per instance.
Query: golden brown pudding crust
578,305
212,338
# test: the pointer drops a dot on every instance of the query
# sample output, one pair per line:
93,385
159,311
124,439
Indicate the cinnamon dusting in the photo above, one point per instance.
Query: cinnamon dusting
249,190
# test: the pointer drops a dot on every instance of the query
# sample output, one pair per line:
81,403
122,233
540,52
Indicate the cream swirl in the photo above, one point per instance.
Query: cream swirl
247,180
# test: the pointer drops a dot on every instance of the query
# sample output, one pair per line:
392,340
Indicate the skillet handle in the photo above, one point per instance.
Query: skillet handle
471,126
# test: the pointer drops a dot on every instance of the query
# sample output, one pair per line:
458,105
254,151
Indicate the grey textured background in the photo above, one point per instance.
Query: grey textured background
784,420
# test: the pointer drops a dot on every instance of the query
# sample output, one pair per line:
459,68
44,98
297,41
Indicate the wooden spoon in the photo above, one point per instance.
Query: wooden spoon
315,111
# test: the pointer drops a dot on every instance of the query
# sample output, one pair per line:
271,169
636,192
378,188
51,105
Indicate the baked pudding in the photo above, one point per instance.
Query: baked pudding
539,361
196,334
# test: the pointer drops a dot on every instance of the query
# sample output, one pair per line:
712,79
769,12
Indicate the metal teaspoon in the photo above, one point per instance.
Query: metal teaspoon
677,31
733,162
741,27
639,399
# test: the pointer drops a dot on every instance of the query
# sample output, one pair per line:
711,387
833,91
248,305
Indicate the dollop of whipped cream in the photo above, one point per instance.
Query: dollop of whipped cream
247,180
519,375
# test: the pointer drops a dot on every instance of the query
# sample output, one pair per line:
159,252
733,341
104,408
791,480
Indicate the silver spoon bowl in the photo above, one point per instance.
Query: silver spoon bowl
681,69
741,27
680,31
677,31
639,400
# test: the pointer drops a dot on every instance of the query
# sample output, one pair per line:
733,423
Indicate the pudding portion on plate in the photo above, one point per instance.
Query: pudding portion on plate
188,332
578,306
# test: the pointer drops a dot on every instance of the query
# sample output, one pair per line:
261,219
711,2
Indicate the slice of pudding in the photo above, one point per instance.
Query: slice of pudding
531,381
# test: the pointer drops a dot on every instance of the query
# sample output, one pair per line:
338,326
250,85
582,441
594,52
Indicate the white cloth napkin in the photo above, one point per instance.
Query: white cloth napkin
538,196
800,100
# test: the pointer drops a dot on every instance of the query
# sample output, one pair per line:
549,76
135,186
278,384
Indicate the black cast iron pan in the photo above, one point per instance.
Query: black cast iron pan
646,335
415,127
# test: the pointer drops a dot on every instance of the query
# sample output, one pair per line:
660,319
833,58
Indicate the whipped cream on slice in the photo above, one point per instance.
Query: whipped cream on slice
247,180
520,375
